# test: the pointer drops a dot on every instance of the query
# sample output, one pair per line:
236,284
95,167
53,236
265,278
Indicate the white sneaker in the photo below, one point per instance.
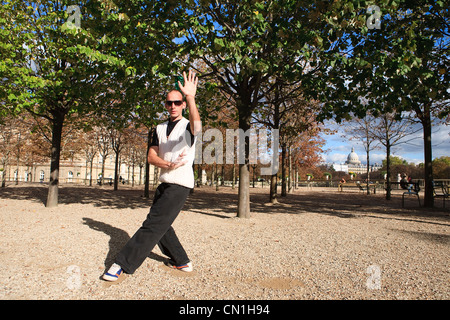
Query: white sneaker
187,267
113,273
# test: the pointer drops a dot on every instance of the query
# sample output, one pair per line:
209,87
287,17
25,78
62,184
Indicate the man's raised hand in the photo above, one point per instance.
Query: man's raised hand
190,84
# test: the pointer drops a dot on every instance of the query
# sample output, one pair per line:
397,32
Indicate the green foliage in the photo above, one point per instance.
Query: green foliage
124,56
245,44
444,160
441,167
116,54
46,66
401,67
394,161
99,60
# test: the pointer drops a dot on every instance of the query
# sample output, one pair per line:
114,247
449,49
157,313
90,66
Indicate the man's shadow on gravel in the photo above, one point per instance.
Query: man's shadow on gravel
117,239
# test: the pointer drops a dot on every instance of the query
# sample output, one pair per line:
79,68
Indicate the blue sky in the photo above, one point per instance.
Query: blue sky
338,147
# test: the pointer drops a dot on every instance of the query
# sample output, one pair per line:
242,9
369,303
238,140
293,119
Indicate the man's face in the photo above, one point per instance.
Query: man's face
175,105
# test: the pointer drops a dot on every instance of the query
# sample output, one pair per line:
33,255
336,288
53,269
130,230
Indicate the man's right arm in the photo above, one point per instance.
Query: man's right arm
155,160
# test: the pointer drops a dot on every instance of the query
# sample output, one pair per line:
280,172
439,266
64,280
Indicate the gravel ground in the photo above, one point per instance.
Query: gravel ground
314,244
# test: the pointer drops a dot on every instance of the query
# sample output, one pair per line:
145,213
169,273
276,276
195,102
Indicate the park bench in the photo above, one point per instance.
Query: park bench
440,190
351,185
413,189
362,188
372,186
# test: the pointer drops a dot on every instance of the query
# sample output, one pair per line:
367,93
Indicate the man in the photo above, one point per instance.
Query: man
172,150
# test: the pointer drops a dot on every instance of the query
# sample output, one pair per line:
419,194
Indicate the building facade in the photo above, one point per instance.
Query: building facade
78,171
353,164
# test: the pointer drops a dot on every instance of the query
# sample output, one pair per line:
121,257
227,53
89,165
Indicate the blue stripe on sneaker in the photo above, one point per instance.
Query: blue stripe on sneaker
115,275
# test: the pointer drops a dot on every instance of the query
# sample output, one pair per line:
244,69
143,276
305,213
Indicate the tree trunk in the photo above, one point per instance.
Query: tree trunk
274,177
368,171
244,172
199,175
233,182
273,189
223,175
244,192
426,123
132,174
86,171
290,170
102,178
217,177
18,158
116,171
253,175
57,126
283,170
4,176
388,169
90,176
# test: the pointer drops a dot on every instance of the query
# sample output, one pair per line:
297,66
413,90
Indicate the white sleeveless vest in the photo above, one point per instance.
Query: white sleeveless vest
169,150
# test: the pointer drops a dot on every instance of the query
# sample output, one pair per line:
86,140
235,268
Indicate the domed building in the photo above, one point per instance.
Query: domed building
353,164
353,159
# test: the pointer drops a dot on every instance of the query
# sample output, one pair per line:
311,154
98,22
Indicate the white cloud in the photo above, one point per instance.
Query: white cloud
334,158
377,158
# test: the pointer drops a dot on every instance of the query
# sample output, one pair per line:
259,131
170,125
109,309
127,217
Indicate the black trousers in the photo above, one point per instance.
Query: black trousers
157,229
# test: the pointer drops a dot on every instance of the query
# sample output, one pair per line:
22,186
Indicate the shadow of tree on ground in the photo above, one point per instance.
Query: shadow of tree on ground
131,198
223,203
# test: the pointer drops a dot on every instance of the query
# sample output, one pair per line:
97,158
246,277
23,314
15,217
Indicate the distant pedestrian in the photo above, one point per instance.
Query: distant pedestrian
404,182
341,185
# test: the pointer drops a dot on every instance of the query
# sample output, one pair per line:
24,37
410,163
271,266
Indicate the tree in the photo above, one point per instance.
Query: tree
285,109
300,138
391,132
136,150
103,142
362,130
393,160
307,150
276,114
246,43
400,67
50,66
90,150
117,138
7,135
